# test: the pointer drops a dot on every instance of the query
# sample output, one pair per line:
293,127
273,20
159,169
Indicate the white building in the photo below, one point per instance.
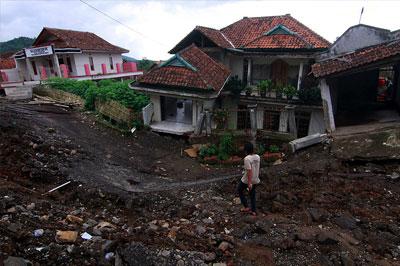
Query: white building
75,54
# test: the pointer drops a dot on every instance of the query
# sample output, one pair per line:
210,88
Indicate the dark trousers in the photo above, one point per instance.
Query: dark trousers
241,188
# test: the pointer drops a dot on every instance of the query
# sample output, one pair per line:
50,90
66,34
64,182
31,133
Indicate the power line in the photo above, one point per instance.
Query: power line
119,22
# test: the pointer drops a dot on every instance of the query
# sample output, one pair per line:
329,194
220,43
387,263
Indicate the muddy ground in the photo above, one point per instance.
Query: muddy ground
144,203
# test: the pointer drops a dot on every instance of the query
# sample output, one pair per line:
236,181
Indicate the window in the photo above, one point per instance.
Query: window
34,68
91,63
69,64
111,63
60,60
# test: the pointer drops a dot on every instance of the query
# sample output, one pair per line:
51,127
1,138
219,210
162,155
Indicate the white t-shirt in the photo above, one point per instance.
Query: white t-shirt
252,162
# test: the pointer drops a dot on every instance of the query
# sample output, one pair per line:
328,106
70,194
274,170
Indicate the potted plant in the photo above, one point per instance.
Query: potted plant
290,91
263,86
278,90
248,90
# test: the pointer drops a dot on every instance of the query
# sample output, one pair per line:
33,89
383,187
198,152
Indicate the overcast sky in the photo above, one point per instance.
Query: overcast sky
165,23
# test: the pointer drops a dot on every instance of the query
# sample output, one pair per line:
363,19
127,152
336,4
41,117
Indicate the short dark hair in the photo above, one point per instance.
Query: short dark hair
248,148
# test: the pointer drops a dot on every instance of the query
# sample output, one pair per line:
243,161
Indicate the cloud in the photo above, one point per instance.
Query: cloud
165,23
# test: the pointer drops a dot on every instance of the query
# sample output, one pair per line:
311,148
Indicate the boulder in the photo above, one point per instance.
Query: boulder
66,236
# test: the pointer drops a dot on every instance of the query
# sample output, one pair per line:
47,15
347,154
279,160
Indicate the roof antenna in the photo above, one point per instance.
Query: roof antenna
362,11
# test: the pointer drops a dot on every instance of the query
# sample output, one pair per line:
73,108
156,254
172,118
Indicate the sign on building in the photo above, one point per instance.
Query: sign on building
39,51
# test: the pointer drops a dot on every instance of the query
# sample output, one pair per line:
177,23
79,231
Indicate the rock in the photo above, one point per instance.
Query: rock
209,256
70,248
73,152
38,232
165,253
318,215
327,238
305,235
115,220
51,130
277,206
200,230
219,264
236,201
224,246
346,260
346,222
31,206
66,236
91,222
180,263
74,219
191,152
153,227
14,227
15,261
208,220
104,227
165,225
349,239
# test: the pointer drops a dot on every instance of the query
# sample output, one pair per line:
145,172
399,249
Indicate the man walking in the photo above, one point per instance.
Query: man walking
250,178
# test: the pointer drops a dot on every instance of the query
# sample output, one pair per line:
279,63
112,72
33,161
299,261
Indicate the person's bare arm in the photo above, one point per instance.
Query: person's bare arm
249,176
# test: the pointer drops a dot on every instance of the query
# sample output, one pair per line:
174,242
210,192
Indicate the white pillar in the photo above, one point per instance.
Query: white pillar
57,65
29,69
327,105
249,71
300,76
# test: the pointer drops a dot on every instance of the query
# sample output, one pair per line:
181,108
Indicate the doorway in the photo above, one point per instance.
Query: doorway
176,110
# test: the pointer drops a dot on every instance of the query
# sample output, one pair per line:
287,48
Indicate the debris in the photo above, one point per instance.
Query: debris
86,236
38,232
30,206
394,176
74,219
15,261
236,201
191,152
307,141
224,246
277,162
66,236
60,186
109,256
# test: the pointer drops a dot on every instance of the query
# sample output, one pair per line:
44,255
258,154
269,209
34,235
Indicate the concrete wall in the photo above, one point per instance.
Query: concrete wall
12,74
358,37
155,99
98,58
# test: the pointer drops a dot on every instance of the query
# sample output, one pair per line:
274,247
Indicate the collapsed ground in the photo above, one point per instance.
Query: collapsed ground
145,203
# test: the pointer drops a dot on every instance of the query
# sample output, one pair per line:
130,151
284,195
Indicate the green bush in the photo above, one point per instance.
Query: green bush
310,95
273,148
104,90
234,85
207,151
261,149
226,147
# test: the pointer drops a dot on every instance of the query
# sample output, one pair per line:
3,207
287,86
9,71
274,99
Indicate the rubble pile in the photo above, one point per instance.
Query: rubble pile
314,208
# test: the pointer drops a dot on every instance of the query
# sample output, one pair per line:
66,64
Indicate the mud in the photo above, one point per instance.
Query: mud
316,208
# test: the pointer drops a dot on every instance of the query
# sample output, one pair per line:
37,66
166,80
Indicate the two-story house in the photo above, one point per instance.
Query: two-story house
275,48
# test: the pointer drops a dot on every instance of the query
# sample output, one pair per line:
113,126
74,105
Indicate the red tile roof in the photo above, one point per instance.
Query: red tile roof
358,58
250,33
247,30
279,41
75,39
7,63
215,36
207,75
